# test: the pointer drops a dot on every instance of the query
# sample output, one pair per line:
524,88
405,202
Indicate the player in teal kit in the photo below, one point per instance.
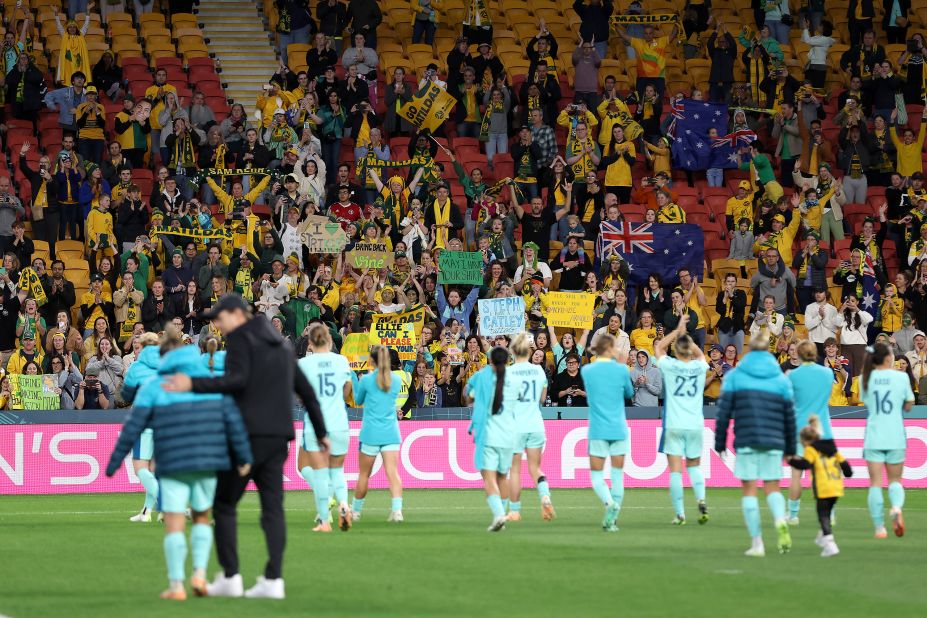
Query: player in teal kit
525,389
683,422
886,393
377,392
332,378
493,428
606,380
812,384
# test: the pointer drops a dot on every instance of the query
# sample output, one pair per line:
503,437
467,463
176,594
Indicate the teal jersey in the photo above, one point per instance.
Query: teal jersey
380,425
884,398
488,429
812,385
608,384
328,373
683,392
522,392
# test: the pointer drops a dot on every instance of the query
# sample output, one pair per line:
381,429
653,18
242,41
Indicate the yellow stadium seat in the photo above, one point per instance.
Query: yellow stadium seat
151,18
160,53
187,45
118,18
151,29
183,18
122,28
77,264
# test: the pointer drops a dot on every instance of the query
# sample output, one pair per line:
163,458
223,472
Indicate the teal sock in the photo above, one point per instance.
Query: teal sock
877,507
495,505
321,493
200,545
617,485
308,475
396,504
794,507
175,554
751,509
698,482
675,491
358,505
776,504
599,487
150,483
515,507
338,485
543,488
505,504
896,495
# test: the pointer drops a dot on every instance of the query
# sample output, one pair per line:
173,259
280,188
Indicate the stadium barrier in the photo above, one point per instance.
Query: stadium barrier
63,452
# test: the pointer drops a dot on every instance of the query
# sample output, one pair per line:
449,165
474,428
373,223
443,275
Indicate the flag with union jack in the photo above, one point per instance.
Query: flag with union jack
660,248
694,148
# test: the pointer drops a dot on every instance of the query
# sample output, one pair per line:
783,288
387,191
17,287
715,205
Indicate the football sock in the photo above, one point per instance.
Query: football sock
321,493
698,482
505,504
175,554
599,486
617,485
751,509
675,491
543,488
794,507
308,475
338,485
896,495
150,483
515,507
200,545
876,507
396,504
495,505
358,505
776,504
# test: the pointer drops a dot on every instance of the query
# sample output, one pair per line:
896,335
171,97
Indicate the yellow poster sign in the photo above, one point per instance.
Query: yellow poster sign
399,331
569,309
429,107
356,349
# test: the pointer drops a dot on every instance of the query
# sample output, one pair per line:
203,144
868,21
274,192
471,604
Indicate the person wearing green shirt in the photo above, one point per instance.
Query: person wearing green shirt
762,169
136,262
473,187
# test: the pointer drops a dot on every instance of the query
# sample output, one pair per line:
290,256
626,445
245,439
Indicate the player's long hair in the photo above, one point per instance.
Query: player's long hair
319,337
876,356
212,346
812,431
499,358
380,354
521,346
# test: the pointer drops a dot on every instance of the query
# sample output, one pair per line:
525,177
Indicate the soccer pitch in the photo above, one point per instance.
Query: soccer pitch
78,555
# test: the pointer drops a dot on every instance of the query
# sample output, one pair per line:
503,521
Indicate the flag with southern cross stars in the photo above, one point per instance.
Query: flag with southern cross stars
694,148
648,248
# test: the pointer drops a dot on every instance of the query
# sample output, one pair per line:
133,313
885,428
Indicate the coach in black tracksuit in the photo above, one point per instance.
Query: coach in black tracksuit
261,374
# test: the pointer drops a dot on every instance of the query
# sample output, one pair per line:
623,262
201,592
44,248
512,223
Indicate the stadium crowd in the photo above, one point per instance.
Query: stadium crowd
126,205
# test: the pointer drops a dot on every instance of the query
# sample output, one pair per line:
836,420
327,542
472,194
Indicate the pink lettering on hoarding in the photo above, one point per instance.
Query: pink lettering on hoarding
58,459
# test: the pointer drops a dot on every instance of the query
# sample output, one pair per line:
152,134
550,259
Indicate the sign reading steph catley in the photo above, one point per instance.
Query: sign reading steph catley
502,316
64,459
370,255
322,235
569,309
465,267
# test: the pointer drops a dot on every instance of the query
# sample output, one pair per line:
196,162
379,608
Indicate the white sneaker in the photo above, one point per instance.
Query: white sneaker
819,539
395,516
355,515
266,589
497,524
144,517
793,521
830,547
757,550
223,586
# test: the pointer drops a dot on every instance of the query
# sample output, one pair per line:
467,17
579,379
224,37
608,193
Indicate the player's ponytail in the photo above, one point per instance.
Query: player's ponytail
521,346
499,358
876,356
380,354
212,345
812,431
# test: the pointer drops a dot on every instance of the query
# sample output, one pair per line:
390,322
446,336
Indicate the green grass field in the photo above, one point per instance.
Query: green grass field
78,556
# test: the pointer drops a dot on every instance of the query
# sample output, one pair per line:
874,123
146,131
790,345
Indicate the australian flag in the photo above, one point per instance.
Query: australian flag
693,149
660,248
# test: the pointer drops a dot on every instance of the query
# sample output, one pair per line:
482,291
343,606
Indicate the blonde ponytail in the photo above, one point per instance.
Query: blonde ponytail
384,371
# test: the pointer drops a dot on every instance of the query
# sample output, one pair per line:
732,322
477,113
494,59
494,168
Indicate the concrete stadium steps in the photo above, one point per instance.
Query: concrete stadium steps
239,39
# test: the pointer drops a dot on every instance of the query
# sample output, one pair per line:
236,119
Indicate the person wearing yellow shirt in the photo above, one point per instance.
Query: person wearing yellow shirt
613,111
235,201
96,303
651,52
782,237
643,337
90,120
270,100
659,156
695,299
740,206
891,309
667,211
156,94
841,368
100,237
909,148
29,352
575,114
582,153
619,156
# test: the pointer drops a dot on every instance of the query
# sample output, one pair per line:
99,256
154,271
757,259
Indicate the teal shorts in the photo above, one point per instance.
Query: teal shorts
339,441
758,465
193,489
682,442
144,446
608,448
890,456
533,439
493,458
374,450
